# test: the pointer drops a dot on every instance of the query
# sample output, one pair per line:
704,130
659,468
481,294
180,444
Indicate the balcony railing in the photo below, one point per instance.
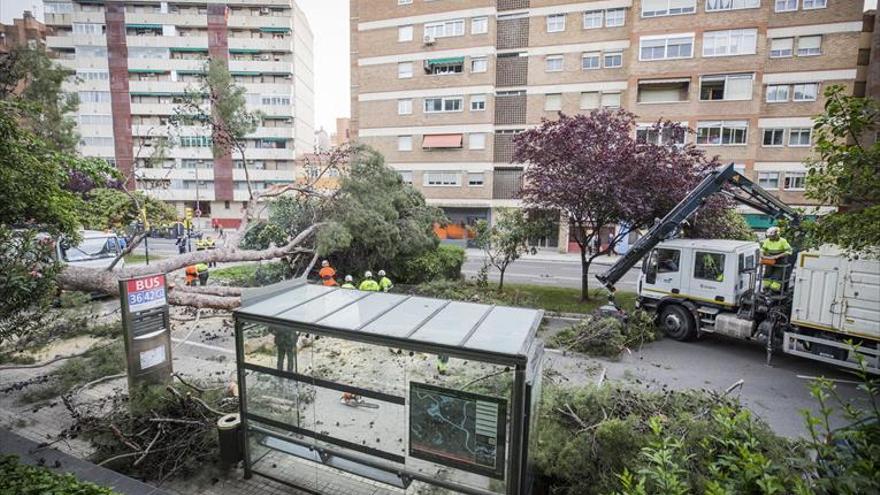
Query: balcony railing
506,183
510,109
511,70
513,33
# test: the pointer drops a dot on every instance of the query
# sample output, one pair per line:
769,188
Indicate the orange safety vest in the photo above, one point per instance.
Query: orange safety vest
327,273
192,273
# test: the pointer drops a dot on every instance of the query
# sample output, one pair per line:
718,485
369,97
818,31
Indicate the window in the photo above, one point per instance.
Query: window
809,46
717,5
93,74
806,91
478,103
654,8
777,93
815,4
447,68
553,102
479,25
58,7
404,143
652,135
675,46
405,176
786,5
589,100
726,87
404,107
444,104
404,33
768,180
275,100
147,52
93,51
555,23
404,70
610,100
441,179
668,260
590,61
781,47
593,19
799,137
94,96
663,91
732,42
104,119
87,28
480,64
476,179
404,2
709,266
615,17
731,132
445,29
477,141
196,142
613,60
773,137
794,181
553,63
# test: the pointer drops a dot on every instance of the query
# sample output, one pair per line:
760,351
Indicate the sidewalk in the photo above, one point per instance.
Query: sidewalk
552,256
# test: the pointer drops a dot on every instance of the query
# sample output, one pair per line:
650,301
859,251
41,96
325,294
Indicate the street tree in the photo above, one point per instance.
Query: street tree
592,169
219,106
846,171
114,208
507,240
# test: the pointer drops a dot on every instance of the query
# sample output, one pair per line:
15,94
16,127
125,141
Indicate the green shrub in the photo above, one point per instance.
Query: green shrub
443,263
22,479
251,274
598,335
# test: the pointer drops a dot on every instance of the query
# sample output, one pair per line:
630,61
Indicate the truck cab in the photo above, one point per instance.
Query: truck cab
96,250
702,277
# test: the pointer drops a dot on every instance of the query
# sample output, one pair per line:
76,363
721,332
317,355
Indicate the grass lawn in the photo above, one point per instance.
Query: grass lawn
567,300
140,258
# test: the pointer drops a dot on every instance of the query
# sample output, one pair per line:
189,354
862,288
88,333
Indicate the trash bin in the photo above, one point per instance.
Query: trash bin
229,437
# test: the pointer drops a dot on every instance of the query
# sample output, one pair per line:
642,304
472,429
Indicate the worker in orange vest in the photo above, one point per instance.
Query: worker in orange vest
192,274
327,274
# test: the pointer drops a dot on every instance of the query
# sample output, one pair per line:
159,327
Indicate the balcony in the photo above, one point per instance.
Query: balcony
513,33
503,149
506,183
511,70
510,109
512,4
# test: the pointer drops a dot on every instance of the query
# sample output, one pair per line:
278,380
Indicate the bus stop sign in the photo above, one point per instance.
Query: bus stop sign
146,325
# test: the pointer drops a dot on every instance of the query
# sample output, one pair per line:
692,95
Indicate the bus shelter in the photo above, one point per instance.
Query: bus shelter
402,390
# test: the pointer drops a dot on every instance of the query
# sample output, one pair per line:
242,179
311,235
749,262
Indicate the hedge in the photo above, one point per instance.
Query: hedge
23,479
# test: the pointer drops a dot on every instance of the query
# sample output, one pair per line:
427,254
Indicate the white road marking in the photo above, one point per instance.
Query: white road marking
203,346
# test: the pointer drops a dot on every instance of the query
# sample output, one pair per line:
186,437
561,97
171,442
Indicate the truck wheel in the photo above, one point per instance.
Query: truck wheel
677,322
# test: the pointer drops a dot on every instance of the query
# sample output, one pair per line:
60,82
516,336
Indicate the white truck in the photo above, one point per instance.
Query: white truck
704,286
96,250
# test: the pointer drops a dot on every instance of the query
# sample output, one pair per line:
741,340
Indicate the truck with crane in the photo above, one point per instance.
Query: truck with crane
825,306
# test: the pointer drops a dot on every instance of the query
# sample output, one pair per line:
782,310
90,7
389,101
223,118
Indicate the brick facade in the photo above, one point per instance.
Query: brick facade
120,101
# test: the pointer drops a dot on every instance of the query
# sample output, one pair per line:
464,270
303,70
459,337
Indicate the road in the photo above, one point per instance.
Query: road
561,273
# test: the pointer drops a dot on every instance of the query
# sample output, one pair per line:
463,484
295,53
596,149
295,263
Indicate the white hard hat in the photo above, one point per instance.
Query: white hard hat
325,263
348,278
381,273
772,231
368,274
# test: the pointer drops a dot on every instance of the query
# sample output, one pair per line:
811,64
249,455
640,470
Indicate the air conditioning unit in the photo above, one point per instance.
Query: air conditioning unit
428,39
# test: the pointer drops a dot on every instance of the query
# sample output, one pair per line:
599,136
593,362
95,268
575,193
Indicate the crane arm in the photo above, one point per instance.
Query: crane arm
743,190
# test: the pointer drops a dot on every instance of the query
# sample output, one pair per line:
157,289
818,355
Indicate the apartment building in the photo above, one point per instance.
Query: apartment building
441,87
130,63
25,31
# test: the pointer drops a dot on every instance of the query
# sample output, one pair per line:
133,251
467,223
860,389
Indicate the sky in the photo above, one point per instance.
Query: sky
329,22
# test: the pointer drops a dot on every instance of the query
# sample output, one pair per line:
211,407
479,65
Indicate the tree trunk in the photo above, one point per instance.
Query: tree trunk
501,280
585,274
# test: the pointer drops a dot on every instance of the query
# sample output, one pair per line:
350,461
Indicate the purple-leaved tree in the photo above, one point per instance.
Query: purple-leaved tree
595,171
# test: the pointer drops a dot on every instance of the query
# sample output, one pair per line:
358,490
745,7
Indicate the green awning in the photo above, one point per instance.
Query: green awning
148,71
188,49
191,72
447,60
275,29
758,221
276,139
245,73
143,26
244,50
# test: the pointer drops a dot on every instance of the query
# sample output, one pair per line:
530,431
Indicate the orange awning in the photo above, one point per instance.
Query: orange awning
442,141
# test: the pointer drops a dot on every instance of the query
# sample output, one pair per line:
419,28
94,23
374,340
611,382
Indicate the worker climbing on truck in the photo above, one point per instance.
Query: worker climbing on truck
775,251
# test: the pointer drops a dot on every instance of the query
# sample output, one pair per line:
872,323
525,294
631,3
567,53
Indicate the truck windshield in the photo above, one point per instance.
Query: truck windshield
90,249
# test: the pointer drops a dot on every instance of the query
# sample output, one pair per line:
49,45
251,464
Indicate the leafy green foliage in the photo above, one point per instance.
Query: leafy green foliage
507,239
252,274
106,208
598,335
719,223
27,280
845,172
29,78
22,479
590,435
443,263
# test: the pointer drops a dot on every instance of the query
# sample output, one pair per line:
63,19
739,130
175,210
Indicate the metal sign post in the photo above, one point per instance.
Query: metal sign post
147,329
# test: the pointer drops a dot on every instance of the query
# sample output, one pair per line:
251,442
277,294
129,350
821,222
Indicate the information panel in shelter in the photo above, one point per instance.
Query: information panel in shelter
458,429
